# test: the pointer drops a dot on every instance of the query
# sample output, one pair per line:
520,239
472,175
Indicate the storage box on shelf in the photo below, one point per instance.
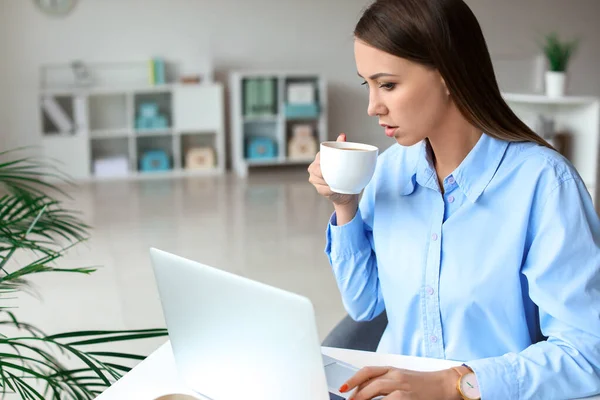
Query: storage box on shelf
155,153
110,157
277,118
301,143
197,151
100,130
153,112
576,120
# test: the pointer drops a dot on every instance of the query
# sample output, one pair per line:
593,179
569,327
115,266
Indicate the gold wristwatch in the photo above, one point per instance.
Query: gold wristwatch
467,384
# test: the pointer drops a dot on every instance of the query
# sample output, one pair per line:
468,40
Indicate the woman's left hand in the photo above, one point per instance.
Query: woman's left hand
402,384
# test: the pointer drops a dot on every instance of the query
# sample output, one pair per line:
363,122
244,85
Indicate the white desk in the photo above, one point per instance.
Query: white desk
157,376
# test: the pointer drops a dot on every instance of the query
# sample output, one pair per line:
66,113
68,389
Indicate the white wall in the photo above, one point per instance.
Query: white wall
308,34
4,133
267,34
511,28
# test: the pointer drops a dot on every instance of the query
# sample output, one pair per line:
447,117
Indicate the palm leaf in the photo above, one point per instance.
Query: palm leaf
30,174
32,330
70,335
34,221
80,382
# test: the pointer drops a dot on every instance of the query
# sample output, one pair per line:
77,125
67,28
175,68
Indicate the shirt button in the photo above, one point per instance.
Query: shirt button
451,180
451,199
434,237
430,290
433,339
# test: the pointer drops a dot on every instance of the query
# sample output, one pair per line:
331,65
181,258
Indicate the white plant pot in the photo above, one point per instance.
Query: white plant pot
555,84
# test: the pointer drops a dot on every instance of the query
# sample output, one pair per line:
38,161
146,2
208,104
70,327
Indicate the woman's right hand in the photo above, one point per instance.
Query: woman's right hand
316,178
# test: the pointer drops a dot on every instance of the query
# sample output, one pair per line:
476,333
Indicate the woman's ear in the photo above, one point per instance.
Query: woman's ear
445,86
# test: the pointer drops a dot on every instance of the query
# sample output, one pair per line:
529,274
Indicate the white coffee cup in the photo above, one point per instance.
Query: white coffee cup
348,167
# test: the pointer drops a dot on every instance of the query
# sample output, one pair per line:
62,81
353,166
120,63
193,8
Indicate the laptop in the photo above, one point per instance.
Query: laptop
234,338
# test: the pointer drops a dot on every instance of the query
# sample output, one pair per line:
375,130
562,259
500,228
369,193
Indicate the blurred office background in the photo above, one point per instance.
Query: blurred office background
188,126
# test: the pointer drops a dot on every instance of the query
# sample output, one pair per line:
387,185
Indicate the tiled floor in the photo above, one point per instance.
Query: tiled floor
269,228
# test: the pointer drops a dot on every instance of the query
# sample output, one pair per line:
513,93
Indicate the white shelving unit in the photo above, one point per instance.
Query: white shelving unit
274,125
104,127
577,116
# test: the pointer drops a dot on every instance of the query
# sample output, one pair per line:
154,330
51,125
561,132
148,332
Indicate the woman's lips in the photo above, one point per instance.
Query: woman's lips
390,130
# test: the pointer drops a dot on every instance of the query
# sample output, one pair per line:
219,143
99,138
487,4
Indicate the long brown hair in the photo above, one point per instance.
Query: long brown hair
445,35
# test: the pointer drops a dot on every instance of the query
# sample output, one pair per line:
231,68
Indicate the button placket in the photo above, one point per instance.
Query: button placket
450,196
429,300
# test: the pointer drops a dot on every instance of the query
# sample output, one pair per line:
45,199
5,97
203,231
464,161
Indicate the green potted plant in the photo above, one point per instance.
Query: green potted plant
558,53
37,227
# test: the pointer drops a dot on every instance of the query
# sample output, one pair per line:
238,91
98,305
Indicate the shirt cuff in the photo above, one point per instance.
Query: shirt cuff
347,240
497,377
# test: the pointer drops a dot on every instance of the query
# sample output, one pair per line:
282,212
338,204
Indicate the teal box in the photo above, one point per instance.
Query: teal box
260,148
160,122
148,110
154,160
301,111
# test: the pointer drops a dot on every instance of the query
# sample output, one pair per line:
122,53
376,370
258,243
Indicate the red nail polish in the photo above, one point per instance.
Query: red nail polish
344,388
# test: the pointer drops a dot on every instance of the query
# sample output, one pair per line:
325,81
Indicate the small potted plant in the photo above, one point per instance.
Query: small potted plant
558,54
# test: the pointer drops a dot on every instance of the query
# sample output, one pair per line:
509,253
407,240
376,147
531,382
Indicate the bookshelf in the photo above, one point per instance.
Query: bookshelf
277,118
110,132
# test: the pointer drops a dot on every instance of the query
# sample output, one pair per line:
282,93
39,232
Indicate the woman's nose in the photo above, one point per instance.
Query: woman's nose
376,107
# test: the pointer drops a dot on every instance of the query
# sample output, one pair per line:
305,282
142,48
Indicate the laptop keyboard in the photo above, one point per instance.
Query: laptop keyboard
335,397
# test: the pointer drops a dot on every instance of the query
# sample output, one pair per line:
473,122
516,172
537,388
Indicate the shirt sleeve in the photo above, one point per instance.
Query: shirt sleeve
351,253
563,274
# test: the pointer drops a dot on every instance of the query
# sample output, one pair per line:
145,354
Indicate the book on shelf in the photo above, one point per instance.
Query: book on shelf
57,114
80,113
156,71
259,97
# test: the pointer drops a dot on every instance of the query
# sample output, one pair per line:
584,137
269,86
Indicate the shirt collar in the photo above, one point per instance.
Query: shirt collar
472,175
423,171
479,167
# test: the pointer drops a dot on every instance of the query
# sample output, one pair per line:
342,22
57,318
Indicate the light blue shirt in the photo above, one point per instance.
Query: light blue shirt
507,257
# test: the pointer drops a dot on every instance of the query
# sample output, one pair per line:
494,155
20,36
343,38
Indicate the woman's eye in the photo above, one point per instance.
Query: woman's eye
365,84
387,86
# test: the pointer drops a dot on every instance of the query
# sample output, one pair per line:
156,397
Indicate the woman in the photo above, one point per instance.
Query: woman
477,238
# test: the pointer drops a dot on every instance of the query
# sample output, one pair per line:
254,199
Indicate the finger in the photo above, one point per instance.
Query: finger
341,137
363,376
324,191
315,180
318,158
375,388
315,165
360,387
315,170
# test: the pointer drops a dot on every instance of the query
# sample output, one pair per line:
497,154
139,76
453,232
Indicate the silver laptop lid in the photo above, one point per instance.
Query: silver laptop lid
235,338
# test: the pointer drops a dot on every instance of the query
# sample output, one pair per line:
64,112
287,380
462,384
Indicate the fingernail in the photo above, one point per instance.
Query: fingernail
344,388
